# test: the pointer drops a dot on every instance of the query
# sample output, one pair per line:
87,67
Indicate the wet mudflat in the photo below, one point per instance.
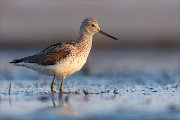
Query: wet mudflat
139,86
127,103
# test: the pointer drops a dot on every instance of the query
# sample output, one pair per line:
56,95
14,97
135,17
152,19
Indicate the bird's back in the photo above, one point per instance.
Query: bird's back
48,56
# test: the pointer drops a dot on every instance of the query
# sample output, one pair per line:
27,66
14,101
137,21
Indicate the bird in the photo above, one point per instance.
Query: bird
64,58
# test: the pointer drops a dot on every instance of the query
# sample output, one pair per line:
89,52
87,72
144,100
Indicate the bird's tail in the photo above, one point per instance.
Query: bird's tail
16,61
21,61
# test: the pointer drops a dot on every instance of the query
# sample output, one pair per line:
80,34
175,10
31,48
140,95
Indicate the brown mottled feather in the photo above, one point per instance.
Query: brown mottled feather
50,55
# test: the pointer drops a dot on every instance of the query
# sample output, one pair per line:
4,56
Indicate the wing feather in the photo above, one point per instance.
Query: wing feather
48,56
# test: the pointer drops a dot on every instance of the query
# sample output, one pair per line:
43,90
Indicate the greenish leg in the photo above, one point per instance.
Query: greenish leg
52,84
61,86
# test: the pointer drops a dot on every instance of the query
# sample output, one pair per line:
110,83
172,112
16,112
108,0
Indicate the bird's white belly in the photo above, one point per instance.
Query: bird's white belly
64,68
69,66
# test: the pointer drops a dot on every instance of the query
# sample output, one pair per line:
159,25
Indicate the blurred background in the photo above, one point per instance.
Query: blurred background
148,32
137,23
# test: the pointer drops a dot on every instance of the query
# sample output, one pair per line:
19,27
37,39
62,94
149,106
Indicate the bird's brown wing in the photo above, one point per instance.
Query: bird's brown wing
50,55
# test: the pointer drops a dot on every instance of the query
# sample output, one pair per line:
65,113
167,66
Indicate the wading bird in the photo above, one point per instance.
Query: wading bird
64,58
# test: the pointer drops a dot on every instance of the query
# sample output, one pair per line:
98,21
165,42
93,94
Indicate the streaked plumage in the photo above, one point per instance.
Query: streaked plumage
64,58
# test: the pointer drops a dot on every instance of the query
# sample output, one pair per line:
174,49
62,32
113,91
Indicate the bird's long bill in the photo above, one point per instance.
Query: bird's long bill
103,33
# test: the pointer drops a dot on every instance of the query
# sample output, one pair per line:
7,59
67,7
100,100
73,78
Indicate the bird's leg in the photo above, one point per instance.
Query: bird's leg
61,86
52,84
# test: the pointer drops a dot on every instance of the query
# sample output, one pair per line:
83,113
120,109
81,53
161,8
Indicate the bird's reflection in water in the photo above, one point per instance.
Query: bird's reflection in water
63,106
10,99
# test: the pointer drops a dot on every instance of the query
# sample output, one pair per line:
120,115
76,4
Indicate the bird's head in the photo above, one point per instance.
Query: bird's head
91,26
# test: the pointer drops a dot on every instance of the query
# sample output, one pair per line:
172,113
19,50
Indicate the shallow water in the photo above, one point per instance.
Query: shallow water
136,103
131,89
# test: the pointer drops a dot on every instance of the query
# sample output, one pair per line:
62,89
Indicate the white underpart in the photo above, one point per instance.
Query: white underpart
63,68
47,70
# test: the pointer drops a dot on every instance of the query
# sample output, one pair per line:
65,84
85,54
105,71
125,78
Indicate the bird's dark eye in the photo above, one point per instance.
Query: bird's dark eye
93,25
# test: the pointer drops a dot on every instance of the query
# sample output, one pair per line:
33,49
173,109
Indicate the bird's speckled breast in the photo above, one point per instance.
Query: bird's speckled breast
75,60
